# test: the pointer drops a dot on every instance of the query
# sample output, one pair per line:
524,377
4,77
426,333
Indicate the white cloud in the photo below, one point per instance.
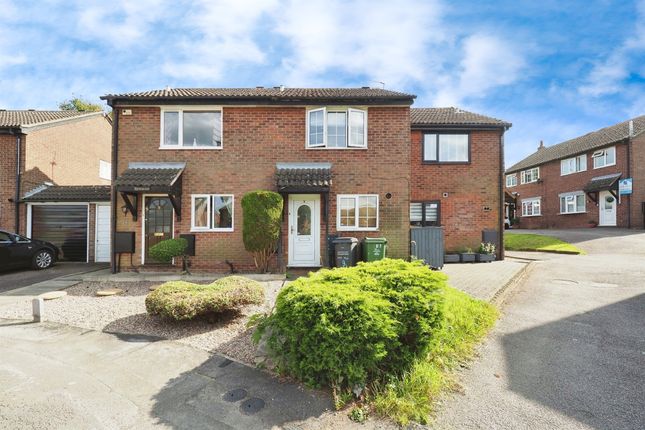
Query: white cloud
607,76
488,62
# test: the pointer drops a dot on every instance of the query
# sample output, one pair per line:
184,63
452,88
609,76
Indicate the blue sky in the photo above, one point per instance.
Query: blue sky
555,69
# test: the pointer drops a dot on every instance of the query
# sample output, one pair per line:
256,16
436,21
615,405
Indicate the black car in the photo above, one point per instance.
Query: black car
19,251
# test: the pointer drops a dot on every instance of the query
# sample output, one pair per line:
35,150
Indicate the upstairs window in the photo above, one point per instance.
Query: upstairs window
572,203
184,129
446,148
604,157
336,128
511,180
530,175
424,214
105,170
573,165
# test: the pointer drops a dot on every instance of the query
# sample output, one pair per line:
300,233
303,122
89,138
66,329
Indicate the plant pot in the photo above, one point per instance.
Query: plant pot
451,258
485,258
467,257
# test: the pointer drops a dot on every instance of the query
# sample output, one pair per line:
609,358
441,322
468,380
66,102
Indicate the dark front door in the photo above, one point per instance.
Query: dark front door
158,223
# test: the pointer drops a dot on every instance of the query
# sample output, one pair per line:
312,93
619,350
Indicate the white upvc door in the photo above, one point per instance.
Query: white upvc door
607,207
102,234
304,230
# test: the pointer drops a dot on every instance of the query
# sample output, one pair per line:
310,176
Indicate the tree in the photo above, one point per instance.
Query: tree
262,213
80,105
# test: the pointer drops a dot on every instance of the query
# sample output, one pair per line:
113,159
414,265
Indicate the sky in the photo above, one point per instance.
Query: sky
555,69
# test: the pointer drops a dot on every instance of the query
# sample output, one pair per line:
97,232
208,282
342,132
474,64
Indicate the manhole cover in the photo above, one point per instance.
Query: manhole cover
235,395
565,282
251,406
225,363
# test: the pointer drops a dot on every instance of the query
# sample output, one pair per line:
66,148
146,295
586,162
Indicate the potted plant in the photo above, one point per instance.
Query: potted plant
451,258
486,252
467,256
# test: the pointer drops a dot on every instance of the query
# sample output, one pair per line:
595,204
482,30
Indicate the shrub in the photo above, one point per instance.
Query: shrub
168,249
180,300
348,326
262,213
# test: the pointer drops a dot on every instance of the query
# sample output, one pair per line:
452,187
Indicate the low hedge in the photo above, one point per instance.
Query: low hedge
180,300
348,326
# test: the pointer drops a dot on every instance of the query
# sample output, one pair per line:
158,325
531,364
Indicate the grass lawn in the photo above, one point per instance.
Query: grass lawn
538,242
412,396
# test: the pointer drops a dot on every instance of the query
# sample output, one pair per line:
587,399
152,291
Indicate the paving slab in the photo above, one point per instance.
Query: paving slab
484,280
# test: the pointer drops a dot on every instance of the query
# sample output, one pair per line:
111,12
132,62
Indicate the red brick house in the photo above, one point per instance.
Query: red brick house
576,183
457,165
54,172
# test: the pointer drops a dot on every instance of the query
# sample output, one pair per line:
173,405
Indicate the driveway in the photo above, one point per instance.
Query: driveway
23,277
569,350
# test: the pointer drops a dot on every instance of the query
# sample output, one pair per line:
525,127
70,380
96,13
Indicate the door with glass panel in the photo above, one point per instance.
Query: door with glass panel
304,230
607,205
157,223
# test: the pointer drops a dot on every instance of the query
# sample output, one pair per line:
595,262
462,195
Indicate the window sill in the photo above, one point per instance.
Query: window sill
532,182
324,148
572,173
189,148
219,230
356,229
530,216
464,163
606,165
572,213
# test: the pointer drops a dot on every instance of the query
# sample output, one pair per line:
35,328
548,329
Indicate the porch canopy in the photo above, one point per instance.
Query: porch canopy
305,178
153,178
602,183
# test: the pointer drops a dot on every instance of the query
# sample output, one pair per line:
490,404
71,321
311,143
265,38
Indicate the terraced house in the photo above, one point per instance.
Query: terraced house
597,179
341,157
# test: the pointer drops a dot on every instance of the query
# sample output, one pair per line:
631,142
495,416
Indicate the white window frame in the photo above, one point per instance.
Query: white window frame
180,137
209,197
514,184
532,202
574,194
579,162
602,155
534,178
107,166
348,112
356,227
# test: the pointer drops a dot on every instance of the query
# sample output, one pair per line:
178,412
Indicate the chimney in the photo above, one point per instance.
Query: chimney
631,128
541,145
281,88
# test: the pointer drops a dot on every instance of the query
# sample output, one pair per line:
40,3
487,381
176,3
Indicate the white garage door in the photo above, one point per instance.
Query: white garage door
102,253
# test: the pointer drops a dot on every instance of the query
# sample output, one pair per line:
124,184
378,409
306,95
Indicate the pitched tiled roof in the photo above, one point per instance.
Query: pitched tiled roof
303,179
70,193
452,116
602,183
278,94
148,177
594,140
20,118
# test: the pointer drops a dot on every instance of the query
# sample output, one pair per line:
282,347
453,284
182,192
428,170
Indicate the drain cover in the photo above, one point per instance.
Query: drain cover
235,395
225,363
251,406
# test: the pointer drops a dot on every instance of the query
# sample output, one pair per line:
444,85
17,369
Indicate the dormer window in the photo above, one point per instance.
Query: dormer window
336,128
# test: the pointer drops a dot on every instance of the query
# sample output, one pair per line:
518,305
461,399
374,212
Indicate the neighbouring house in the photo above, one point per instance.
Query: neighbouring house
594,179
54,174
457,166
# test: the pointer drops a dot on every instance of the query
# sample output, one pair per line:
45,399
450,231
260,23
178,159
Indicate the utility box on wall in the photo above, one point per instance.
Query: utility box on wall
124,242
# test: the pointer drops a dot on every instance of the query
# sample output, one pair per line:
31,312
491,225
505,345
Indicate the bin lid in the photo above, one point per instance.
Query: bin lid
346,240
375,239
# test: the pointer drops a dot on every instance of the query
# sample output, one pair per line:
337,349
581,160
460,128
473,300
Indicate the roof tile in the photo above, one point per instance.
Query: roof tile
70,193
452,116
19,118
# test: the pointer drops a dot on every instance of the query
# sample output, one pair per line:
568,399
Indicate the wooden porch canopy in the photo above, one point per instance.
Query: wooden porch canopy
153,178
602,183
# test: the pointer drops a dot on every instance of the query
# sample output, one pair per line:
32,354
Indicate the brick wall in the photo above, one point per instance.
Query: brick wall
8,179
254,140
552,184
637,162
470,187
68,154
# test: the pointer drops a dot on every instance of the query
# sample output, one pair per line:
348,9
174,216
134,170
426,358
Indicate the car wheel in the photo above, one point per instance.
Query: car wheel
43,259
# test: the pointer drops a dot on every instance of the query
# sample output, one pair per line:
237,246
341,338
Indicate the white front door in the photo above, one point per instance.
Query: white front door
607,208
102,234
304,230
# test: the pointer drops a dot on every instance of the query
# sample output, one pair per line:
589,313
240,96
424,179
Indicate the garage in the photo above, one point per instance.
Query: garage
63,225
74,218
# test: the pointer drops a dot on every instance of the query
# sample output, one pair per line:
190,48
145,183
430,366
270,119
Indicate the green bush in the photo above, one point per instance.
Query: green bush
262,216
181,300
168,249
348,326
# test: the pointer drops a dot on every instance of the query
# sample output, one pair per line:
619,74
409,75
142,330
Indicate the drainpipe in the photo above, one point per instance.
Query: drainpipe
629,173
17,195
115,158
501,194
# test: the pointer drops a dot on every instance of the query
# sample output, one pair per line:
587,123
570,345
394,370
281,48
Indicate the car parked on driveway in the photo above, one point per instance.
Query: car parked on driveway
19,251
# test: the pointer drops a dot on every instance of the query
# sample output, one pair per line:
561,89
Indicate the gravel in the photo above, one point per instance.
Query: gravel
126,314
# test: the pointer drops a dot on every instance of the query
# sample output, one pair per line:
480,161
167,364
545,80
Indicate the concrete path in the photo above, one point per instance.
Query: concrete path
484,280
569,351
24,277
54,377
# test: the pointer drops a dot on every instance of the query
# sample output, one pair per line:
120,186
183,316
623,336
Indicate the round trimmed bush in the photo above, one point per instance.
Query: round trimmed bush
180,300
168,249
